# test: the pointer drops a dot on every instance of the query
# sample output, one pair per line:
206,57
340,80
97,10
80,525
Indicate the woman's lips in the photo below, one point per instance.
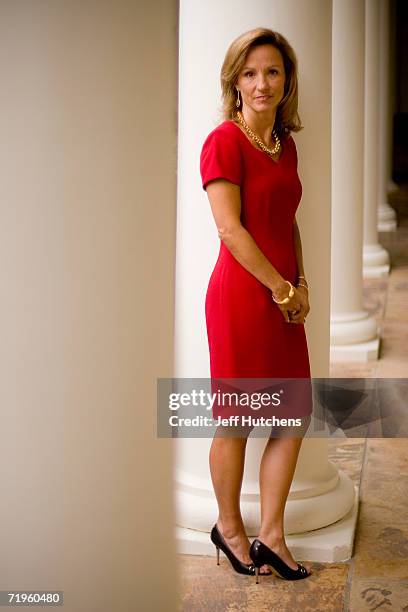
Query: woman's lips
261,98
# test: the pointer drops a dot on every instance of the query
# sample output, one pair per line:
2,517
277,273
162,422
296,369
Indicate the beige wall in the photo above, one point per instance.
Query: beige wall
88,156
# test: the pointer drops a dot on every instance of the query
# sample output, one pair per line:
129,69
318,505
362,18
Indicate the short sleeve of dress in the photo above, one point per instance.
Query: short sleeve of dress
221,158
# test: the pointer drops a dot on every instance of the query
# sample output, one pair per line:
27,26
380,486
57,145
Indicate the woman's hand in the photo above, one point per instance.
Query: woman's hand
299,315
297,308
280,293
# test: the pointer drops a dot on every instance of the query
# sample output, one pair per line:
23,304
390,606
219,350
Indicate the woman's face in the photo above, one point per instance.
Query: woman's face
262,80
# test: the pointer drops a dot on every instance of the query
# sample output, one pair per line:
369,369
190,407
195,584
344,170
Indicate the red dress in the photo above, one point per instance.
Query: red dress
247,334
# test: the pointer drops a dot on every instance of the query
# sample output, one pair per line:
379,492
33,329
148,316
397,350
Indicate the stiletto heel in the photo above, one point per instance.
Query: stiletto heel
257,574
262,555
239,566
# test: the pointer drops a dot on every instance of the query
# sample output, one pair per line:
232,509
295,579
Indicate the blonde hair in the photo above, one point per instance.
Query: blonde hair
287,118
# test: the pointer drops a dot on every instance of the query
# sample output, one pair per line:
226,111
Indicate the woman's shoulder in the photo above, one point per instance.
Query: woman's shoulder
221,155
223,140
227,127
226,131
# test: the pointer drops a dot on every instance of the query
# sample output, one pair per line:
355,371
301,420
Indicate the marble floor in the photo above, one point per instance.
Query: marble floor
376,577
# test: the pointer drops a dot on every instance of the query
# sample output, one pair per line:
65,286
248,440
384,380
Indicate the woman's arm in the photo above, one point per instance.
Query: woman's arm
303,291
225,203
298,249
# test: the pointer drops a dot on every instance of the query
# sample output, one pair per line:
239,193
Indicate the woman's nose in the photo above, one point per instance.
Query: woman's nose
262,83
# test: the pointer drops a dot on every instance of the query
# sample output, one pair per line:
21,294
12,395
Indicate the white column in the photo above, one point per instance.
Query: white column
353,334
391,89
375,257
86,300
387,219
320,493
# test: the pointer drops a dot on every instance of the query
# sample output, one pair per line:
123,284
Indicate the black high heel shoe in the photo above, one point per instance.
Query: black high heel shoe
240,567
262,555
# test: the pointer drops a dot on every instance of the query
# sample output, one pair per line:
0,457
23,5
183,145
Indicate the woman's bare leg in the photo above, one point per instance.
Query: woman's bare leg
227,458
275,478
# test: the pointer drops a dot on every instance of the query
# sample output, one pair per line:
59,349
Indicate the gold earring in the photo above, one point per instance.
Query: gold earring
238,102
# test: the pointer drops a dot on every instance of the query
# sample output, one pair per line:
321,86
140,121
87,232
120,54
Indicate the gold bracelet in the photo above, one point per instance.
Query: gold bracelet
303,285
287,299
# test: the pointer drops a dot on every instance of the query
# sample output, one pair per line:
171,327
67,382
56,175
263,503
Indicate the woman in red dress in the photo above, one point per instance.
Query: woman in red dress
257,297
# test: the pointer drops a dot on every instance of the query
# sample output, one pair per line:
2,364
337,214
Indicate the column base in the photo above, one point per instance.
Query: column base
387,226
361,352
376,271
375,261
331,544
387,219
352,329
314,501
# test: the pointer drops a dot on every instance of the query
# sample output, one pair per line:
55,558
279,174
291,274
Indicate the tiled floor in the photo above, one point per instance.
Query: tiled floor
376,577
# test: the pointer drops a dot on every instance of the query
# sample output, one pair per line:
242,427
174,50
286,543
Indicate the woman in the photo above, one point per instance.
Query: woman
257,297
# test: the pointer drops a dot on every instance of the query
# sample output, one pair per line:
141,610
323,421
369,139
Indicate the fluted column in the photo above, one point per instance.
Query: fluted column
387,219
320,493
375,257
353,333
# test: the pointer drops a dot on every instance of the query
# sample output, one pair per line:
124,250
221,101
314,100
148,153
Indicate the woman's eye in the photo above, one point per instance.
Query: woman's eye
273,71
248,74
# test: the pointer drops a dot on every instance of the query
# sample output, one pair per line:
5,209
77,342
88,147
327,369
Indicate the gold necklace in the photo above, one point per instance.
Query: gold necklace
256,139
